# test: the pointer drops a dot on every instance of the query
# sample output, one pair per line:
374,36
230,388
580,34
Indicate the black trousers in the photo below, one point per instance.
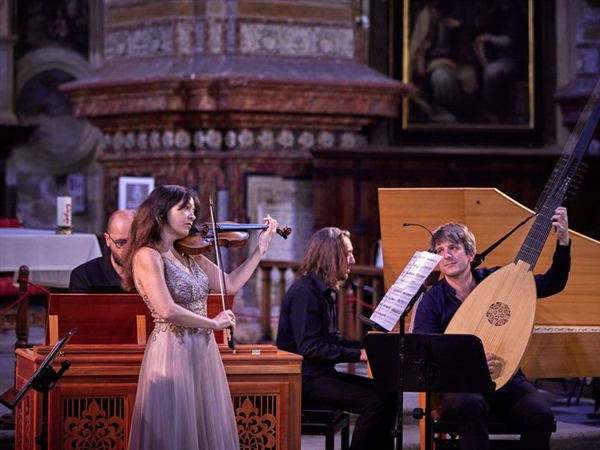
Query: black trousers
358,395
520,403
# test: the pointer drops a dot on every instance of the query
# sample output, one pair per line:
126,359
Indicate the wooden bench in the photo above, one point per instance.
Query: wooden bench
325,420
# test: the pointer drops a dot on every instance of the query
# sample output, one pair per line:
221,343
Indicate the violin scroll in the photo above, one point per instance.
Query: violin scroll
284,232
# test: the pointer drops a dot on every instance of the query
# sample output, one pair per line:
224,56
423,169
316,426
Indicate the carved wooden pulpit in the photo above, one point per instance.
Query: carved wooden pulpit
92,404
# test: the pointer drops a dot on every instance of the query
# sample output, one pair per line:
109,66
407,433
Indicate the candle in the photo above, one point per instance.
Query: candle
63,211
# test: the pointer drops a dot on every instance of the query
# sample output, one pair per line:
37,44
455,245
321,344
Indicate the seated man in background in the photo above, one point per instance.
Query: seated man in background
308,327
104,271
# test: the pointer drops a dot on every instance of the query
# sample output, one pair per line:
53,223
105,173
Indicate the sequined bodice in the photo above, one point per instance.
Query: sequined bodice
189,291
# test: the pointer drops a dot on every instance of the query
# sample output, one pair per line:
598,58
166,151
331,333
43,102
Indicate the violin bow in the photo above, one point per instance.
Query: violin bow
224,301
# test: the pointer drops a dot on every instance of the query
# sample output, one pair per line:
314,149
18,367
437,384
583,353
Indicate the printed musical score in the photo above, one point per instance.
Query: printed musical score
397,299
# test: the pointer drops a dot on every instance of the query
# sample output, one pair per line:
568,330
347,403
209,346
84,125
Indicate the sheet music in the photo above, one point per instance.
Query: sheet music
397,298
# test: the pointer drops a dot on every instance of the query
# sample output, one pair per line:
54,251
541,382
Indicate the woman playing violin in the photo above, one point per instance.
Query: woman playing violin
183,399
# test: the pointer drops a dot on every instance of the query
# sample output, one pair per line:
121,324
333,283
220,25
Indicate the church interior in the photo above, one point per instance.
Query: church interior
320,113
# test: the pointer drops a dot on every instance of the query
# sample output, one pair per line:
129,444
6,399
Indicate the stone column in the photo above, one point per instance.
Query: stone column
11,131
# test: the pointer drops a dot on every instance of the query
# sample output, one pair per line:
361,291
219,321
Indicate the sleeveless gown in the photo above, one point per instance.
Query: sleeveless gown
183,400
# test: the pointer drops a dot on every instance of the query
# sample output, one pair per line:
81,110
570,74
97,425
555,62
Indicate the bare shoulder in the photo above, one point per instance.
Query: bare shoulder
148,256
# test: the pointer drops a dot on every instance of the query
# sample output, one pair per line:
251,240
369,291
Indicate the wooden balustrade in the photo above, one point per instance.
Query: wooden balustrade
361,293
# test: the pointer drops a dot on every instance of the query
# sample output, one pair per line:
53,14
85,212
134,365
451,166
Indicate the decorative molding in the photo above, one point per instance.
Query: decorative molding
257,420
186,37
91,422
183,37
300,41
565,329
236,98
243,140
141,41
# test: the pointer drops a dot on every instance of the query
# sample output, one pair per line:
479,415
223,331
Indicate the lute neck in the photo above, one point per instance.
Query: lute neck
561,181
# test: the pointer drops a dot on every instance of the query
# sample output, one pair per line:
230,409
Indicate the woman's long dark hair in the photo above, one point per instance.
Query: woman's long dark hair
148,223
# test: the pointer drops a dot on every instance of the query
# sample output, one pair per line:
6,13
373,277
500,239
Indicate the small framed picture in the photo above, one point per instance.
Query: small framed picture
133,191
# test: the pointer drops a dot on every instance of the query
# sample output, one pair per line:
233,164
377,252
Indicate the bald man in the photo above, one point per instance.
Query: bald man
104,273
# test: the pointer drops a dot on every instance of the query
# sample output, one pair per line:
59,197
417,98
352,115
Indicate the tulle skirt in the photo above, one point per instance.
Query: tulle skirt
183,400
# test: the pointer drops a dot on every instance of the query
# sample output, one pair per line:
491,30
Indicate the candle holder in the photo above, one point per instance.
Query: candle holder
64,230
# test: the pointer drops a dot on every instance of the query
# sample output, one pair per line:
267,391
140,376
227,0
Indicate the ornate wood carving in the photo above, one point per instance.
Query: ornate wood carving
91,406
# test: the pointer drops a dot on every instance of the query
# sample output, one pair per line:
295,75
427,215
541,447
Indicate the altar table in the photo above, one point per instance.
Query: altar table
50,257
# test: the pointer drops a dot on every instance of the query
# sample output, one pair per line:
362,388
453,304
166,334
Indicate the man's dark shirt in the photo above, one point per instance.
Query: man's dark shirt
307,327
440,303
96,272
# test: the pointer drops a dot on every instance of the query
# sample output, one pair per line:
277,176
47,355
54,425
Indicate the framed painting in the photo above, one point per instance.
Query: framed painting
133,191
473,67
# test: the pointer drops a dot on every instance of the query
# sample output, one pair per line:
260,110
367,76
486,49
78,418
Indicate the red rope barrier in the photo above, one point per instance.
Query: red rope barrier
360,302
25,295
16,302
37,286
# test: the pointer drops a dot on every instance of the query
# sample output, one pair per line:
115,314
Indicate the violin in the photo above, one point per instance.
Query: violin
230,234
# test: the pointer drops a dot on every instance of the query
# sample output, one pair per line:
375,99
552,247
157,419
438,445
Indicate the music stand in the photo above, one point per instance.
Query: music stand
428,282
431,363
44,379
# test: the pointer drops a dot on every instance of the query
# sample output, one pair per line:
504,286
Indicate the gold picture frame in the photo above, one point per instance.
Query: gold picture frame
472,66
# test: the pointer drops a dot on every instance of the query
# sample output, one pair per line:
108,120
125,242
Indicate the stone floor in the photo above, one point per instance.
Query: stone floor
574,431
